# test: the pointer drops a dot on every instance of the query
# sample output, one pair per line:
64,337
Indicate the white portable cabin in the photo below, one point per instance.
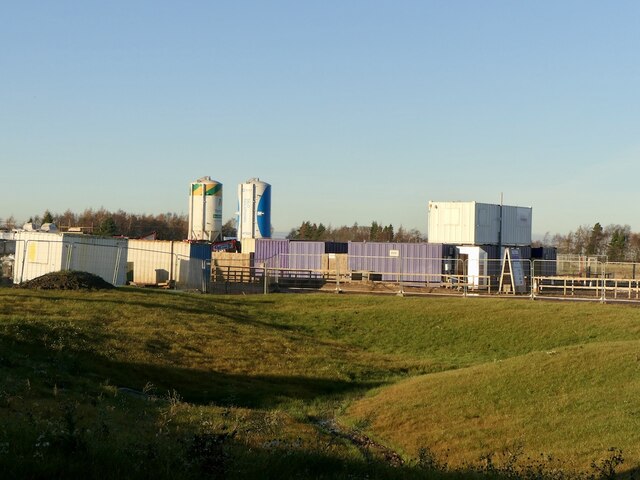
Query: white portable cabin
475,223
184,265
39,253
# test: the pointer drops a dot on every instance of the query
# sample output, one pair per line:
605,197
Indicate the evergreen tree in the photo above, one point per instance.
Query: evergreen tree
594,247
47,217
617,246
107,227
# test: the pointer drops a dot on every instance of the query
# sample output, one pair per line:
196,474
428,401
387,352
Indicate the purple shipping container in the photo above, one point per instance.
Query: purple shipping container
305,255
273,252
424,262
414,263
373,257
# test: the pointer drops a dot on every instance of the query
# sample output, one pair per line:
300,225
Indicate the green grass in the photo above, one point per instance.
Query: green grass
572,403
236,386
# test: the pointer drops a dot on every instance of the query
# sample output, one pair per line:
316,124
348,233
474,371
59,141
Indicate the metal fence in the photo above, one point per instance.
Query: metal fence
118,263
113,260
39,256
169,267
576,278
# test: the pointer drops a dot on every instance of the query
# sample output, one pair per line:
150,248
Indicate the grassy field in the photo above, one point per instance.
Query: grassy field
144,383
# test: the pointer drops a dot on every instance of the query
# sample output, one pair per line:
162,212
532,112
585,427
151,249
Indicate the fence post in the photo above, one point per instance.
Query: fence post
532,271
401,292
465,276
116,270
205,281
24,256
69,256
604,283
264,271
338,290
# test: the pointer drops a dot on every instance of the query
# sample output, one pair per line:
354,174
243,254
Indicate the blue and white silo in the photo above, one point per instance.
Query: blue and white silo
254,209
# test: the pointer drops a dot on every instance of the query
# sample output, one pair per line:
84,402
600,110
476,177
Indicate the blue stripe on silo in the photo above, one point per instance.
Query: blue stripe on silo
263,213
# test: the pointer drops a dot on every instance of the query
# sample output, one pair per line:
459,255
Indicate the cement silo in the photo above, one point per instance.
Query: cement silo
254,209
205,210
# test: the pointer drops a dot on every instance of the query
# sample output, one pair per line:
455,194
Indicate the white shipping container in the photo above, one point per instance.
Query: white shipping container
39,253
475,223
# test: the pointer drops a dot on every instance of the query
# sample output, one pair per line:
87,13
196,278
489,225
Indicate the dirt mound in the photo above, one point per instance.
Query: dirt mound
69,280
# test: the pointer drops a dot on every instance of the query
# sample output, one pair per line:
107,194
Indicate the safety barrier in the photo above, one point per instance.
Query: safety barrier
417,276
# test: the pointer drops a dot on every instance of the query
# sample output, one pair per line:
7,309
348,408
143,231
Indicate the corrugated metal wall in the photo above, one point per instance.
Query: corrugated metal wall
150,261
516,225
374,257
304,255
273,252
475,223
416,262
156,261
423,262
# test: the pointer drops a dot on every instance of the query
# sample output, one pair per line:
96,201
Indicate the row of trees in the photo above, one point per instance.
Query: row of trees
356,233
165,226
617,242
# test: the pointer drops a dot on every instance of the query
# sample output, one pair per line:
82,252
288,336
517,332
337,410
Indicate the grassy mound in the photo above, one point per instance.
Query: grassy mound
68,280
572,403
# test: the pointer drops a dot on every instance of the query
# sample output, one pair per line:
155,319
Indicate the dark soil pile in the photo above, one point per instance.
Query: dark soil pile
69,280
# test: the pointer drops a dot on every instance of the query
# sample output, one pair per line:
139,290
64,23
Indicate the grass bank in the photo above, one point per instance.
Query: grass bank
145,383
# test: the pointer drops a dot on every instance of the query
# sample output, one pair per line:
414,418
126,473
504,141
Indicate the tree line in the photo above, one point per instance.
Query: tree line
102,222
617,242
355,233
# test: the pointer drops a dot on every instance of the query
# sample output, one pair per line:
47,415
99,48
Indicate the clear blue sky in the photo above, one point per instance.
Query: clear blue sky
353,111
